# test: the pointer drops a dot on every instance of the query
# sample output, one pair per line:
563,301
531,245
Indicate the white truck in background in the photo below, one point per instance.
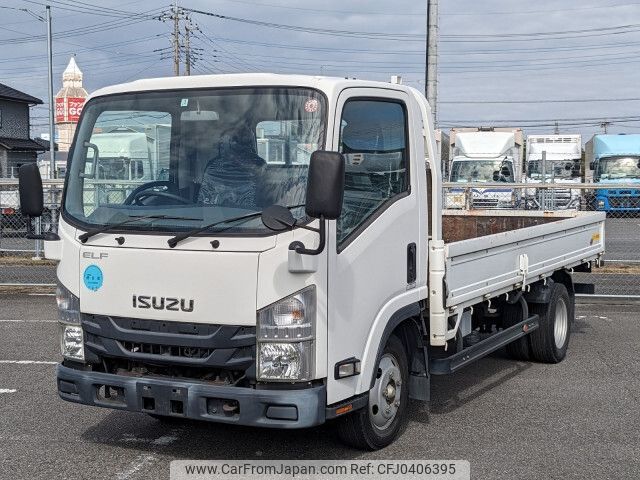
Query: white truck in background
285,296
485,155
553,159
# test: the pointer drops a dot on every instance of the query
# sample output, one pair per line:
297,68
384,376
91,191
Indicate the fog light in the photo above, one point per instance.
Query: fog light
71,342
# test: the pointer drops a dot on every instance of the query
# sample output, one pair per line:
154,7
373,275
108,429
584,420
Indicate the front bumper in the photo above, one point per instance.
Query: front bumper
299,408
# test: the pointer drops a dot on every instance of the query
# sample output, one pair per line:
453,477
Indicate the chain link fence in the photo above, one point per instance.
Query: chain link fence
620,274
22,262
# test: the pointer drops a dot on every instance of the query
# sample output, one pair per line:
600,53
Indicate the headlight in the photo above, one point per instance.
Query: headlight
71,336
286,334
71,342
68,306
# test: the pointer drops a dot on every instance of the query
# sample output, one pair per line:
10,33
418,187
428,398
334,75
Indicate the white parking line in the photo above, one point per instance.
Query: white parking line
28,362
139,463
17,320
8,390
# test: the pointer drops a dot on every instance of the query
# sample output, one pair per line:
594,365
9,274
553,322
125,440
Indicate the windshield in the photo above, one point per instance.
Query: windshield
618,167
554,169
480,170
193,157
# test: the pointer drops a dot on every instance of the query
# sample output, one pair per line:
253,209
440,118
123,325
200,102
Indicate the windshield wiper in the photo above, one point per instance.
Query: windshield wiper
173,241
131,219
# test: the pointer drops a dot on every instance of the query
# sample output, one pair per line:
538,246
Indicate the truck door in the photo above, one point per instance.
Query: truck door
373,245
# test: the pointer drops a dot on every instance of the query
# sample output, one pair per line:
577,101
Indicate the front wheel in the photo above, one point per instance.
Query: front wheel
377,425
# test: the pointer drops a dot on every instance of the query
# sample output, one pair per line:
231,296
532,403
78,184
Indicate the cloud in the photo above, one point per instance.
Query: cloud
486,68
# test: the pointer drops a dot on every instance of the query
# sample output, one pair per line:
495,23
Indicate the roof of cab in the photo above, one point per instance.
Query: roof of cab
326,84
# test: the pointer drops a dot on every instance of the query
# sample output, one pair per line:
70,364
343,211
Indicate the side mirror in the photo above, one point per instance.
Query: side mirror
31,196
325,185
496,175
32,199
325,191
505,172
592,165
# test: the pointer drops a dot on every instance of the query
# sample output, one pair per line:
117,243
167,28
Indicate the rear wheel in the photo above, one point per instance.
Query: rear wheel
377,425
549,342
518,349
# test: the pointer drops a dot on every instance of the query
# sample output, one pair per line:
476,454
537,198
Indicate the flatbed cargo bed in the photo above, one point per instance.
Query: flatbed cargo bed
491,253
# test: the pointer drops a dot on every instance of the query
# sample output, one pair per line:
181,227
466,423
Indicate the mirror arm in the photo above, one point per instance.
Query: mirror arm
311,229
302,250
49,236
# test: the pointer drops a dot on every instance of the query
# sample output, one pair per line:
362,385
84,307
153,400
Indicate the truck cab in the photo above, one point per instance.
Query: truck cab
553,159
485,156
615,159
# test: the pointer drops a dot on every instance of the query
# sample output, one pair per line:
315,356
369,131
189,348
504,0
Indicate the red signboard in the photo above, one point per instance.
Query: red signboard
68,109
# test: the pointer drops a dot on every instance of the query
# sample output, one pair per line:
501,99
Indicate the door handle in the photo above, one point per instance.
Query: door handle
411,263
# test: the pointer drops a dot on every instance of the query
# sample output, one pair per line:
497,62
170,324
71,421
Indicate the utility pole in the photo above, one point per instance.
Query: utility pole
176,40
557,129
187,46
52,127
605,127
431,67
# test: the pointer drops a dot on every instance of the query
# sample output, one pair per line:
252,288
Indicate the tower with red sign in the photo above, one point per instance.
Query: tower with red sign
69,102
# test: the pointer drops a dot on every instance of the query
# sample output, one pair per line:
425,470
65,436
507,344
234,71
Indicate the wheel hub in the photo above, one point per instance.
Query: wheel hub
384,397
561,323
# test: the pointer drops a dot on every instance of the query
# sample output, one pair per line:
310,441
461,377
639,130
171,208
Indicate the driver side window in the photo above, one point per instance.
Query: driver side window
373,140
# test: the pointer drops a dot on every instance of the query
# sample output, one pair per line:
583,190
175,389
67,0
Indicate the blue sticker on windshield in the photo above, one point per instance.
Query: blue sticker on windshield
93,277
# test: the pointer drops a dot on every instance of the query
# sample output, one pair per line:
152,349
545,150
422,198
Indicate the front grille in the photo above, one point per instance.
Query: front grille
485,203
167,350
624,202
224,347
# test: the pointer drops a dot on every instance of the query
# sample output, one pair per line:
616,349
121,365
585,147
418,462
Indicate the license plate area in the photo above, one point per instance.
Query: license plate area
163,399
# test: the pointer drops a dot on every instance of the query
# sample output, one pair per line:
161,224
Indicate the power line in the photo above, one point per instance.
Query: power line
546,12
581,100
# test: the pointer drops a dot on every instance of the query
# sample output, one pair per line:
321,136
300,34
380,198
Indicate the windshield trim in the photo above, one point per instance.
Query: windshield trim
79,224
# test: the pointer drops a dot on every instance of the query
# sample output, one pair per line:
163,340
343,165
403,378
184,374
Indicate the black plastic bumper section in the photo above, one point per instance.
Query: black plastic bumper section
444,366
298,408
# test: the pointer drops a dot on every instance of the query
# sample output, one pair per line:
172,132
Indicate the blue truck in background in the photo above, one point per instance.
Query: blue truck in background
615,159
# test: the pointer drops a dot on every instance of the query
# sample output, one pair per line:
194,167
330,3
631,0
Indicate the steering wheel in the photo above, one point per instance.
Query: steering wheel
141,193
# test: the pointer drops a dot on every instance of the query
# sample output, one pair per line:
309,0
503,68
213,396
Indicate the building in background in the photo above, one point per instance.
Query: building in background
69,102
16,145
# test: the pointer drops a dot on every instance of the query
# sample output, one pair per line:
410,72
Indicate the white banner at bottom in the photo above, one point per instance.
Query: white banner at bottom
320,469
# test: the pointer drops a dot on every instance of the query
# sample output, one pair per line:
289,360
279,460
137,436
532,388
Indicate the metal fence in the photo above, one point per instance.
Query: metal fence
22,262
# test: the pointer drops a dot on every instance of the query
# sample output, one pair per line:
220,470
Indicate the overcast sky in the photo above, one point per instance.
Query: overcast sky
531,60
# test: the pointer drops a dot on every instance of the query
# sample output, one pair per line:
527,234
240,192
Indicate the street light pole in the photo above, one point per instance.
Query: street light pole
52,127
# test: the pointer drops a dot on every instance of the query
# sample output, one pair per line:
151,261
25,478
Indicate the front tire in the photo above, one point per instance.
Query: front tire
549,342
377,425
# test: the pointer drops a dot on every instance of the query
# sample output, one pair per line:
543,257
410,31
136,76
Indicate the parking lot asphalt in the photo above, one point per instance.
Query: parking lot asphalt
575,420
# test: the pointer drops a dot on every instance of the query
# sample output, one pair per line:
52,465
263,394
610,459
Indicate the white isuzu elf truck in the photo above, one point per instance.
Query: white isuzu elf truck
328,284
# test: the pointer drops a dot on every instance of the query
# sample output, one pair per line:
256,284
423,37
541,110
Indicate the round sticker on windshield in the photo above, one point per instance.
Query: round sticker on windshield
311,105
93,277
